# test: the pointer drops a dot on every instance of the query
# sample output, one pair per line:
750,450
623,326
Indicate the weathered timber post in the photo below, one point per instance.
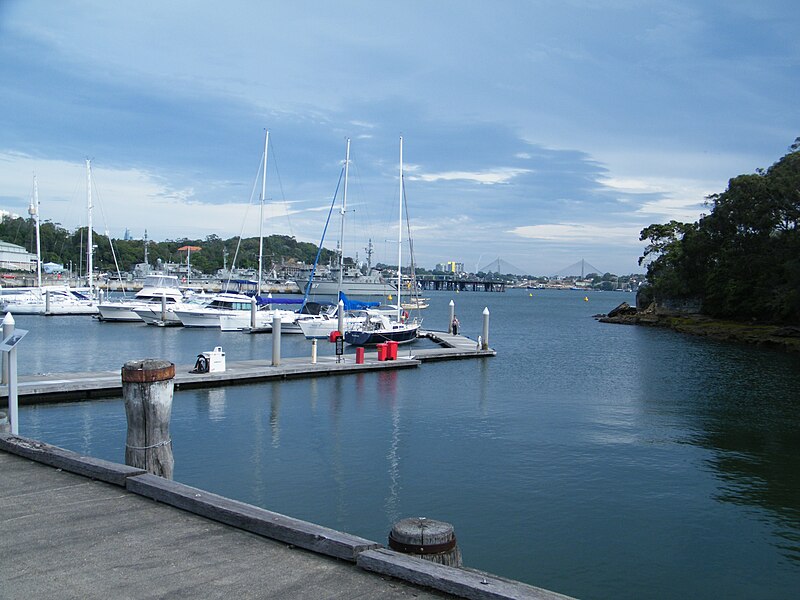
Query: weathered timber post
485,335
276,341
47,302
427,539
452,316
147,388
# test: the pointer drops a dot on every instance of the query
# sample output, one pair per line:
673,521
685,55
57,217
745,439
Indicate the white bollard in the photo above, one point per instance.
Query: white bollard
313,351
8,329
341,317
485,328
163,308
253,308
452,316
276,341
13,404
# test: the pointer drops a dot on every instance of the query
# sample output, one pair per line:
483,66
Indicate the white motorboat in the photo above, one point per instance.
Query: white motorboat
164,315
50,300
156,287
226,303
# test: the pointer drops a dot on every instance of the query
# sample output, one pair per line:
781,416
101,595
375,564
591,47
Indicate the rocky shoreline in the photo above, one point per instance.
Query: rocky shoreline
782,337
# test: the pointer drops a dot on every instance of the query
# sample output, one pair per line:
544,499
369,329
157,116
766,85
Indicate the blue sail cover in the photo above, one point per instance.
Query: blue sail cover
356,304
262,300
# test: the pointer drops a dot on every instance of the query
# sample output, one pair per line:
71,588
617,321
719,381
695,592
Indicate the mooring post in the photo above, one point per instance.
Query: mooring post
314,351
47,302
428,539
147,387
340,312
8,329
276,341
163,308
253,308
452,316
485,335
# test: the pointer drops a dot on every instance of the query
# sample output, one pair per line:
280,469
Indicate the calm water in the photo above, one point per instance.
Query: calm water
600,461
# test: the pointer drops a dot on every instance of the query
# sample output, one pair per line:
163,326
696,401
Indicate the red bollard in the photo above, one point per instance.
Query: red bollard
391,350
381,352
360,355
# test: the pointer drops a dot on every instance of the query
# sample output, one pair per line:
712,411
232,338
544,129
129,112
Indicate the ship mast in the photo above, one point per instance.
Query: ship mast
33,211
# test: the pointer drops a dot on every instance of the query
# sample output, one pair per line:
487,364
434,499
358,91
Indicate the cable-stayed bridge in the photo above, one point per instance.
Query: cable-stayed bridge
582,268
501,266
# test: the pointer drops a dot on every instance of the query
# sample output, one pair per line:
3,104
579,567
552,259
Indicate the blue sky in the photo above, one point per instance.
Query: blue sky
538,132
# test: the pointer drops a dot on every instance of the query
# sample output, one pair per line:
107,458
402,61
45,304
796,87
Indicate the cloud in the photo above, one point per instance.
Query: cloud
491,177
581,233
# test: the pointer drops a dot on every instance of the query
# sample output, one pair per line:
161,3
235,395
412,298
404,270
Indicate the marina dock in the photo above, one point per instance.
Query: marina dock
52,387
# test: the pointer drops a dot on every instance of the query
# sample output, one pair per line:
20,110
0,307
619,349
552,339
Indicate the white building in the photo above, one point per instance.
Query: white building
16,258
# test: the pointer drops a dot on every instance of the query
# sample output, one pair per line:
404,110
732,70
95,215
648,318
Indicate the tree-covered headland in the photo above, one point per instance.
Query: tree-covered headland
741,261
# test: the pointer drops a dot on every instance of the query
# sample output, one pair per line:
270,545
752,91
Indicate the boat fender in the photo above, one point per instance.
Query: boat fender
405,315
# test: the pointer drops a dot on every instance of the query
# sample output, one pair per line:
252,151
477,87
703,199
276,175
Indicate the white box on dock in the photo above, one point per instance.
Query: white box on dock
216,360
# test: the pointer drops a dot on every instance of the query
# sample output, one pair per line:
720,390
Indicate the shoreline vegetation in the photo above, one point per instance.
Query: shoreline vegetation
781,337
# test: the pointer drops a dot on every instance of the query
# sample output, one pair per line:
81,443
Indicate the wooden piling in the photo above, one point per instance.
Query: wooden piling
147,388
428,539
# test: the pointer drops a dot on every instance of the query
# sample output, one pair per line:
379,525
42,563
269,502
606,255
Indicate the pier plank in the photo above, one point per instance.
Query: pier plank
251,518
94,468
464,583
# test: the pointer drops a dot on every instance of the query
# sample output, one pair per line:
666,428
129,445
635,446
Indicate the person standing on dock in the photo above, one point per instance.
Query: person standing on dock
455,325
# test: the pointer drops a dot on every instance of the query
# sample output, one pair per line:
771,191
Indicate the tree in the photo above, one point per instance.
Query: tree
742,260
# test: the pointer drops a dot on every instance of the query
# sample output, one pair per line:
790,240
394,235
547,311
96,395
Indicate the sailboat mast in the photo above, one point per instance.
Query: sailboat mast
89,248
343,211
33,211
261,213
400,236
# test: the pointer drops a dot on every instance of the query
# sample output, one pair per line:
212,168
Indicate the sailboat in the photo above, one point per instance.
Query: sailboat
380,326
232,311
326,321
54,299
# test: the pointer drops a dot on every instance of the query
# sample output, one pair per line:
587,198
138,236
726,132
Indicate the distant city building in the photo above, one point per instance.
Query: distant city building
16,258
450,267
127,236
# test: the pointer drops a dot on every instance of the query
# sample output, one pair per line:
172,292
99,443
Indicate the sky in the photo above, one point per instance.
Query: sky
539,133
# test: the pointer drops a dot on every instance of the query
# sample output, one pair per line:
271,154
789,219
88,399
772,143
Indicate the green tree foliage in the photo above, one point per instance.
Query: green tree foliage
742,260
62,246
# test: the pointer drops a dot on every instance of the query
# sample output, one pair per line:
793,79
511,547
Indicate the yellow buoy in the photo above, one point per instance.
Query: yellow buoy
530,294
390,297
585,298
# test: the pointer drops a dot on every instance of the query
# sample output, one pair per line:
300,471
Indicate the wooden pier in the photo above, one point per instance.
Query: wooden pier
53,387
74,526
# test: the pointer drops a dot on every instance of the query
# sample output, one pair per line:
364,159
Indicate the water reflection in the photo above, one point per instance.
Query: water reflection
215,397
737,404
274,415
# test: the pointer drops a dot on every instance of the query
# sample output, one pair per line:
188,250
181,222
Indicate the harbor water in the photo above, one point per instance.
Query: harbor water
596,460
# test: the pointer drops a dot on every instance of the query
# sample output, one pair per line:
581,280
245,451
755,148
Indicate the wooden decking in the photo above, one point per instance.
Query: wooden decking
51,387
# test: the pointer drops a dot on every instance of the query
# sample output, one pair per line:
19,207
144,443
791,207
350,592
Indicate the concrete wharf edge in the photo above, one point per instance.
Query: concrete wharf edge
51,387
367,555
